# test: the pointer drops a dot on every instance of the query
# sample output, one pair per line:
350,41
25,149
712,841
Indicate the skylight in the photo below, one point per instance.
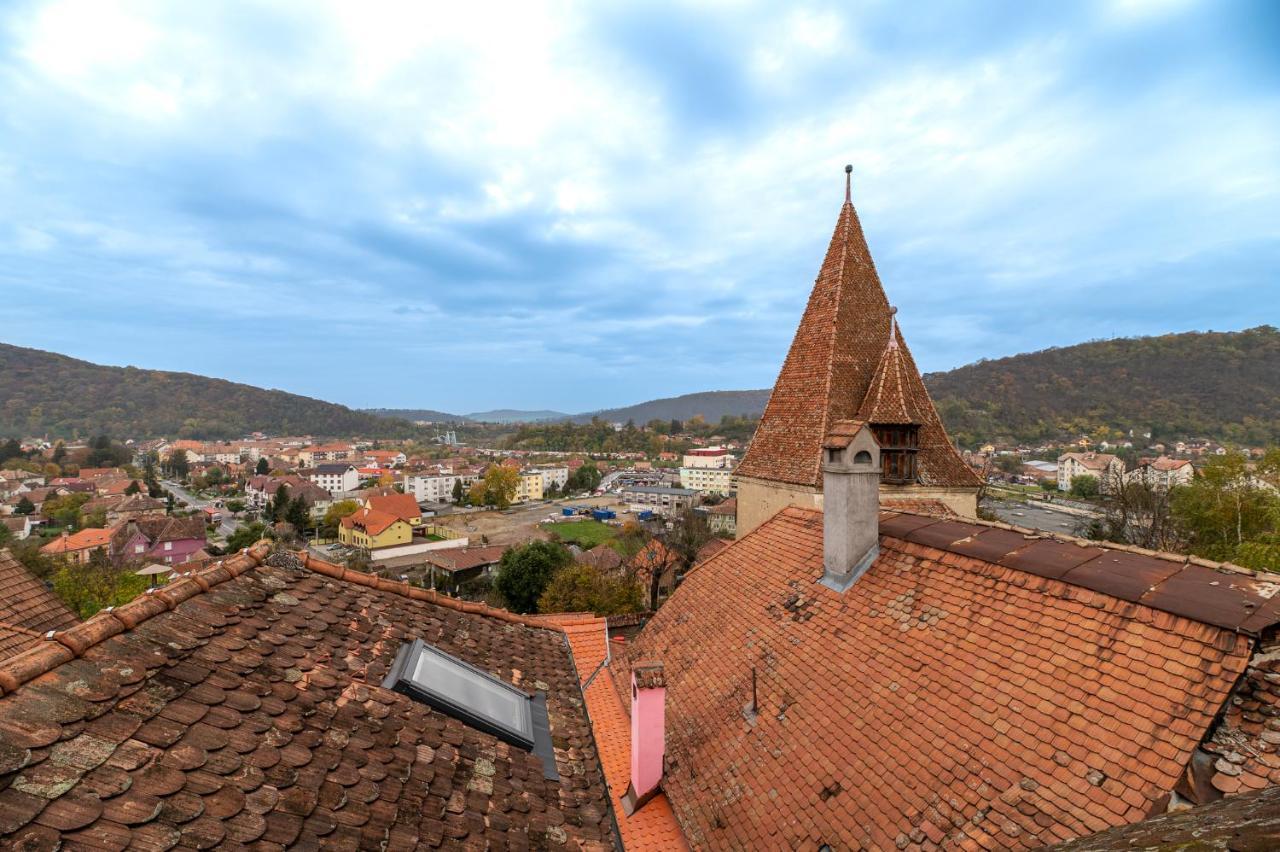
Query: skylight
474,697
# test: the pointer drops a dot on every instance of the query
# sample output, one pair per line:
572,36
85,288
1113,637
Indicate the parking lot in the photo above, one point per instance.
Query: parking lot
519,523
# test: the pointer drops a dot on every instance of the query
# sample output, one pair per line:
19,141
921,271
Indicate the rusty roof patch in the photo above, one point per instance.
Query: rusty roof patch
1127,576
1213,597
943,534
898,525
991,545
1050,558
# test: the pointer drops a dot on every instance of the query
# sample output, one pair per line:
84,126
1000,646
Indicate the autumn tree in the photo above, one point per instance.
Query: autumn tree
525,572
580,587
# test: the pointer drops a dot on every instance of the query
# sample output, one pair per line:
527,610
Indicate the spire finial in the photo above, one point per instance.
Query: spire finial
893,327
848,177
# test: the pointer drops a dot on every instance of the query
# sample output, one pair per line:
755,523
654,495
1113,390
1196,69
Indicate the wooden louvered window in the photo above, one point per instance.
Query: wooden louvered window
899,446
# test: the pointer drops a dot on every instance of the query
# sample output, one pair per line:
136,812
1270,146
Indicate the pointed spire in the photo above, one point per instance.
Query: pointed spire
848,184
888,401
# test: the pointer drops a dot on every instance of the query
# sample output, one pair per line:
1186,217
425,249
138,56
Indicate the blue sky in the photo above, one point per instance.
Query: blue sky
581,205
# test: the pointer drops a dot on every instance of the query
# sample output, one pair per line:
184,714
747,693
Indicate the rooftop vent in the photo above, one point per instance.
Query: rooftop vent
475,698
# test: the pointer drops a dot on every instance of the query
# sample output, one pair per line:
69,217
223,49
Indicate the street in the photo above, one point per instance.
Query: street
1036,516
229,523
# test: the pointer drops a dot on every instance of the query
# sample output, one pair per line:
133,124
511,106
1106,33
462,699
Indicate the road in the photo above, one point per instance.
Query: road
1036,516
229,523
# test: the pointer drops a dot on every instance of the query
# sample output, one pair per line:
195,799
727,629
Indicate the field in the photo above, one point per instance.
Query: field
585,533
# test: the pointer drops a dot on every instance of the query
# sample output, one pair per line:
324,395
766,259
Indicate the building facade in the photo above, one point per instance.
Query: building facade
707,480
665,501
335,477
1106,468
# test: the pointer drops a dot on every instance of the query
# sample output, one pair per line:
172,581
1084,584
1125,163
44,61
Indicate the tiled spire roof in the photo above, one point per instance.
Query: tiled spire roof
829,369
887,400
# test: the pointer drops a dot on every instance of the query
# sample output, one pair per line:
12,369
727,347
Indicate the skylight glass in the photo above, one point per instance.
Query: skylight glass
474,697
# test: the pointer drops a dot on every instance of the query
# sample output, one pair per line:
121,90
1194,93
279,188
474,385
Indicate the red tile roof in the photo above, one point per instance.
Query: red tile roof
27,603
978,687
242,705
401,505
371,521
652,827
465,558
828,373
77,541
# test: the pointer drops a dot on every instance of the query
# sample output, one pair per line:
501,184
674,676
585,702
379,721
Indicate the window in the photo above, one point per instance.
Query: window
137,548
898,448
168,545
474,697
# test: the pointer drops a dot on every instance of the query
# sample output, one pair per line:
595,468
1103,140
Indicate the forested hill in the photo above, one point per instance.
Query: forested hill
45,393
1220,385
711,405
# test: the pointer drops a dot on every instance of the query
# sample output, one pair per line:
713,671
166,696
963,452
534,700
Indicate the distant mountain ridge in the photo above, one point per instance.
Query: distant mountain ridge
515,415
416,414
46,393
711,405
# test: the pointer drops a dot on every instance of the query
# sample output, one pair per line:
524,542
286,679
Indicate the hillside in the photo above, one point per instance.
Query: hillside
414,414
514,415
45,393
1219,385
712,405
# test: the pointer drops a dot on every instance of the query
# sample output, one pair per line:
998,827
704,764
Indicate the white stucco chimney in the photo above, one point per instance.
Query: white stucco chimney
851,503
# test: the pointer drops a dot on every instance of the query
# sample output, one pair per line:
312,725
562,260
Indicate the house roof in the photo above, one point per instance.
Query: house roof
243,704
464,558
602,556
331,468
888,400
1093,461
727,507
977,686
371,521
81,540
838,349
401,505
160,528
27,603
653,826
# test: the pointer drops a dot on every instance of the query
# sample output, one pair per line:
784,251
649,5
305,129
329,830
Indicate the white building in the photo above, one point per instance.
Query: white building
707,457
337,479
707,480
437,487
1162,472
665,501
1106,468
557,476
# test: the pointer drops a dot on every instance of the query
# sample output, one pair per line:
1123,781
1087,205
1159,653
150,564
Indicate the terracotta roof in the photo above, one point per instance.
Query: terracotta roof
15,640
400,505
82,540
601,556
26,604
371,521
241,706
828,374
464,558
1235,824
888,400
727,507
654,825
1093,461
979,686
916,505
1166,463
710,549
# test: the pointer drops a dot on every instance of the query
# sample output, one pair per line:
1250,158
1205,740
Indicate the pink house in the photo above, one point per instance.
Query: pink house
171,541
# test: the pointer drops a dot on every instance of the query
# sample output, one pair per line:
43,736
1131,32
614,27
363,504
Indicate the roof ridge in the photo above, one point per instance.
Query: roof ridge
330,569
66,645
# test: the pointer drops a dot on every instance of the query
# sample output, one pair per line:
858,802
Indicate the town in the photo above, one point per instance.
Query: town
594,427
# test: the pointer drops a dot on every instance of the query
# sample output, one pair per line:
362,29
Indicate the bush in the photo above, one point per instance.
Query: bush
586,588
1084,486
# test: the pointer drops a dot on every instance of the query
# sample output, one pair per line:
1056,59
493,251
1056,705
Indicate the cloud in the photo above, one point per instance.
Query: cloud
575,205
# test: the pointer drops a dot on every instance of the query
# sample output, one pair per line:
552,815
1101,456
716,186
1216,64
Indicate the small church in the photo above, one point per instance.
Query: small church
849,362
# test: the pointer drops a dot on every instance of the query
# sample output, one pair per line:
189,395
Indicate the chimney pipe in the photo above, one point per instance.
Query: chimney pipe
648,734
850,503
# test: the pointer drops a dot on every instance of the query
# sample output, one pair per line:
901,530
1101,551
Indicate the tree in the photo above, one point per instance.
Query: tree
500,484
298,514
1084,486
457,491
65,510
235,506
1136,513
25,506
214,476
476,493
59,453
133,488
5,535
1228,513
525,572
680,542
98,583
10,449
333,517
585,478
585,588
178,466
263,467
245,536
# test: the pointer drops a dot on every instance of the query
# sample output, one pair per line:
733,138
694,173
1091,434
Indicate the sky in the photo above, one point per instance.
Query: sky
463,206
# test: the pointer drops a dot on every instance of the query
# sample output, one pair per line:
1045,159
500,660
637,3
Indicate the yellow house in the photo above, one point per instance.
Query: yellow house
372,529
529,487
403,506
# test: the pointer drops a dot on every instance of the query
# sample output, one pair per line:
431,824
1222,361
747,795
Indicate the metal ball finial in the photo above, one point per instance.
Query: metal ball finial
848,177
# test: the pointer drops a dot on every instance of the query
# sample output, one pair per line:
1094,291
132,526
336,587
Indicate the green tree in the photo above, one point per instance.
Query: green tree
25,506
457,491
1229,513
96,584
333,517
59,453
133,488
1084,486
263,467
585,588
178,466
298,514
65,510
10,449
525,572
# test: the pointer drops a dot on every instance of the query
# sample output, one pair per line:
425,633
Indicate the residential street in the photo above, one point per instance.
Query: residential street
1036,516
229,523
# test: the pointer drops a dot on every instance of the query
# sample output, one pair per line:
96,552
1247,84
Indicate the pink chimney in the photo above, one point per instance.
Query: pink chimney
648,734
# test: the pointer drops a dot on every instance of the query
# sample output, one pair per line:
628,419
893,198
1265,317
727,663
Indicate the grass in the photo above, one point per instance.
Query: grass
586,534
